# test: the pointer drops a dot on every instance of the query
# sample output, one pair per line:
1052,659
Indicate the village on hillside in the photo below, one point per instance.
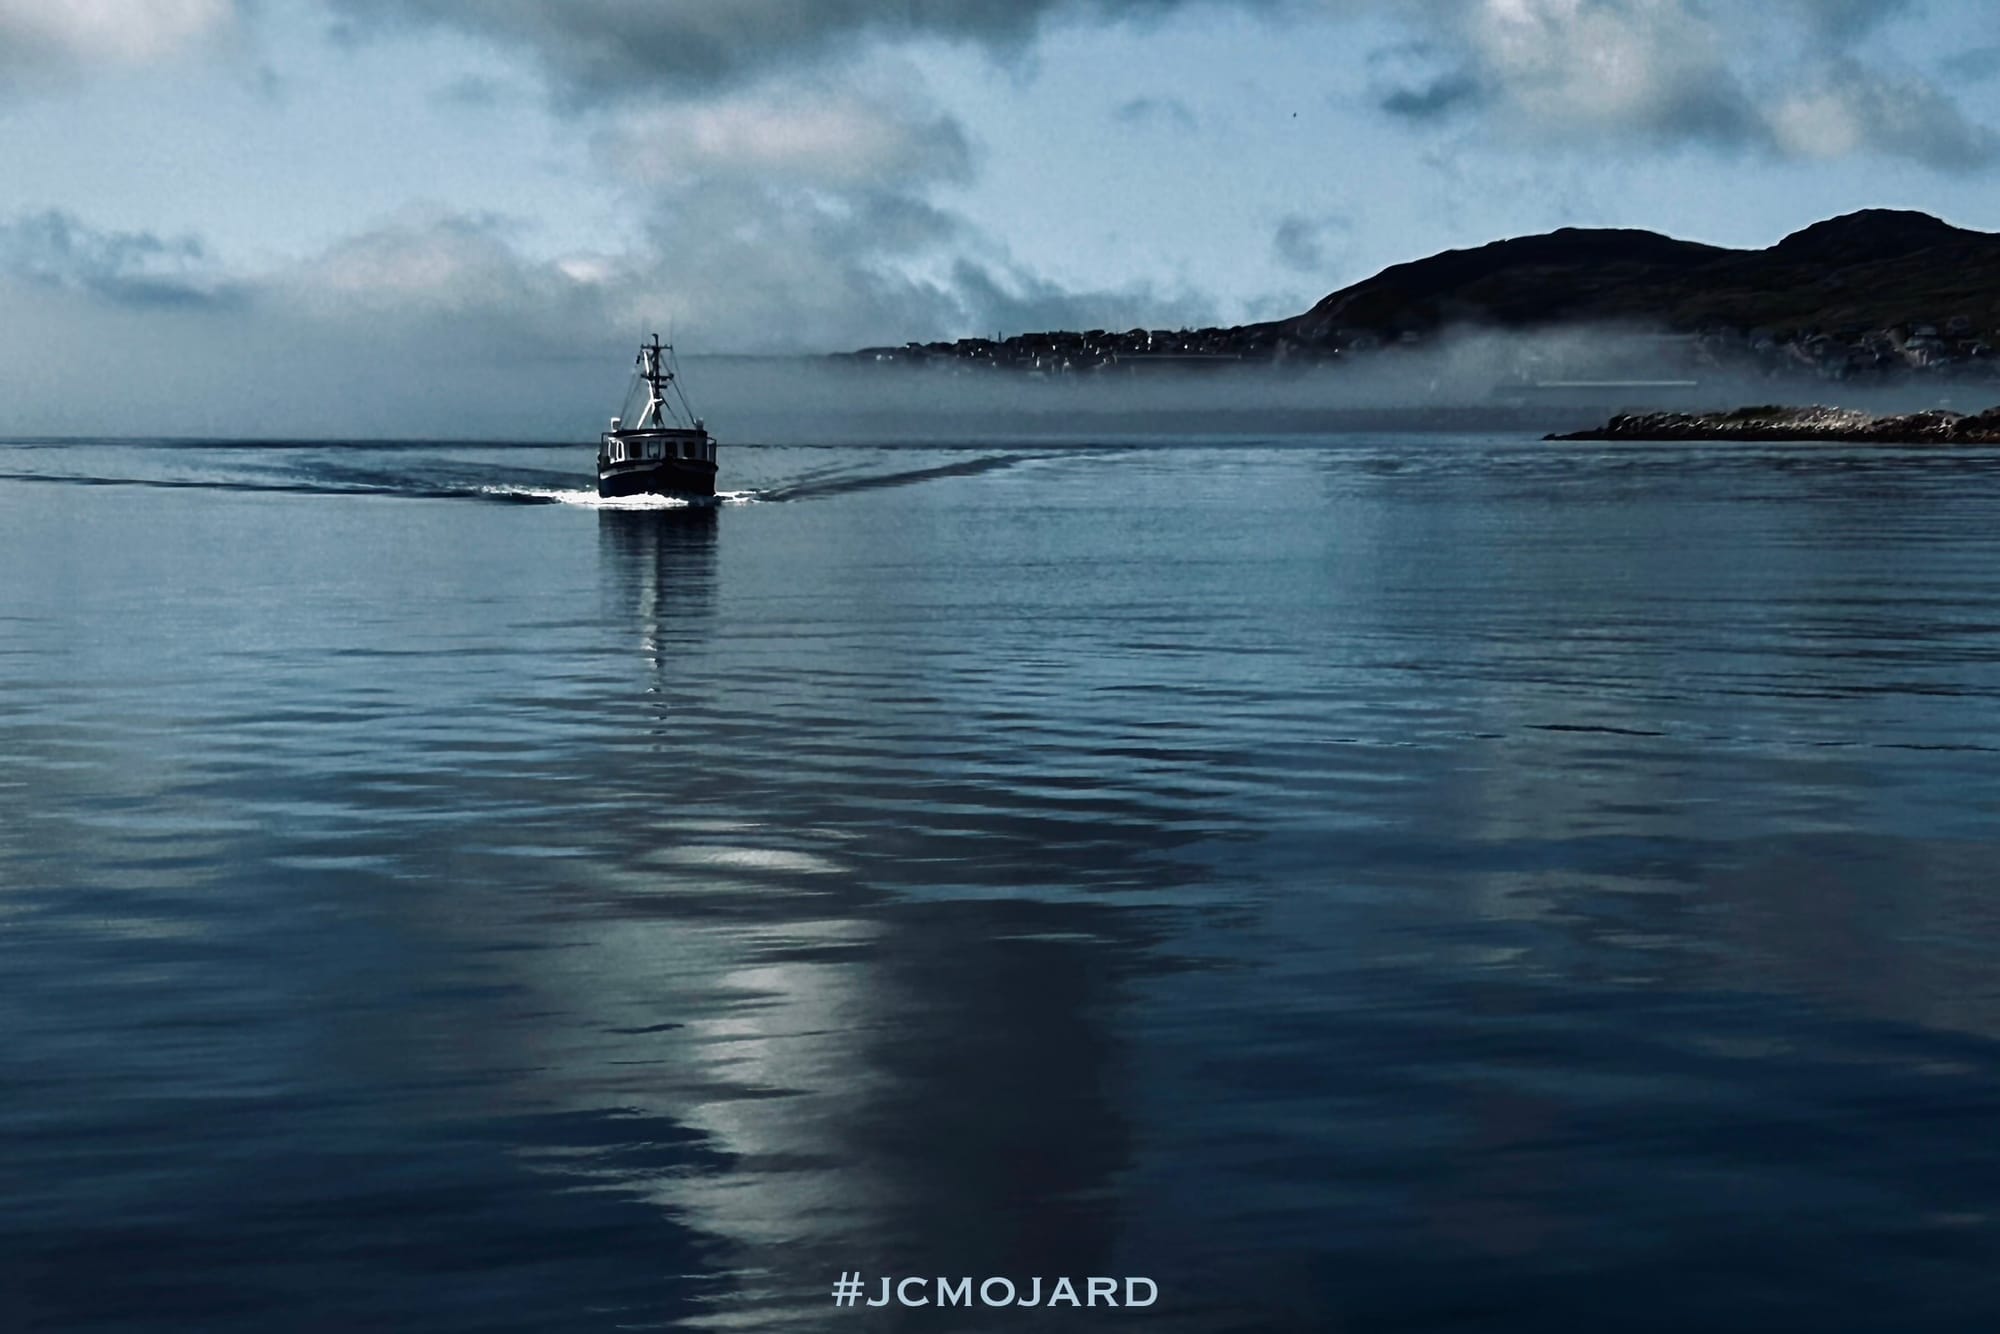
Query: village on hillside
1947,348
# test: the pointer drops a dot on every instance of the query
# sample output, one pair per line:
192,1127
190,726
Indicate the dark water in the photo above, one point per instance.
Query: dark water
1440,884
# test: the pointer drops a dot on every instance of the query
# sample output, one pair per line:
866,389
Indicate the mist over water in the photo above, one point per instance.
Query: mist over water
1358,880
441,388
1467,379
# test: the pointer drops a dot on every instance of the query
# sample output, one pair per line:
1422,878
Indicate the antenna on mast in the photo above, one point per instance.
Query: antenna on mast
656,374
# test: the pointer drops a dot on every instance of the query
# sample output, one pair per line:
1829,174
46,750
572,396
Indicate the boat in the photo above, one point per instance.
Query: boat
669,452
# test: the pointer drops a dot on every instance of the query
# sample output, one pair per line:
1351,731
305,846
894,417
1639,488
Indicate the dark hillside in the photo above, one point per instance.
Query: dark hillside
1874,268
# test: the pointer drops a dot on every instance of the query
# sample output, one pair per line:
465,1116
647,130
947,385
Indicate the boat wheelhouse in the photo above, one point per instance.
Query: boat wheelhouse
669,452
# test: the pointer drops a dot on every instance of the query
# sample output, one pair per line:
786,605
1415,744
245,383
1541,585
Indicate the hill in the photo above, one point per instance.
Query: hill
1877,294
1865,270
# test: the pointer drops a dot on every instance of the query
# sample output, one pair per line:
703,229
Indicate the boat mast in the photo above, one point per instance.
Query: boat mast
656,375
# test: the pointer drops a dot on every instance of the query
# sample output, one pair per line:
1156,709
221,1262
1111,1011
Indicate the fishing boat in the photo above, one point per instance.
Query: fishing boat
669,452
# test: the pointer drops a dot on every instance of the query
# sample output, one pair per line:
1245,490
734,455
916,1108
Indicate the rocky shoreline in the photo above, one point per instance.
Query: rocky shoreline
1936,426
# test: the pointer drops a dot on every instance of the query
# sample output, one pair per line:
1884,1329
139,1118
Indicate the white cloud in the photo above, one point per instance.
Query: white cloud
1850,109
424,256
1818,124
84,32
824,136
800,214
1648,66
1783,79
735,267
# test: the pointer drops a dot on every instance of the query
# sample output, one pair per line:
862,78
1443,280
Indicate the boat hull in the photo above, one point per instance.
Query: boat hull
667,477
672,462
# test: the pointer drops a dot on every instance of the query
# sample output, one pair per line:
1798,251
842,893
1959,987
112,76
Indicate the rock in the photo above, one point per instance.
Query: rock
1775,422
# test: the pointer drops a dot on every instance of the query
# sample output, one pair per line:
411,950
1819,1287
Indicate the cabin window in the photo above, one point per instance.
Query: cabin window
652,449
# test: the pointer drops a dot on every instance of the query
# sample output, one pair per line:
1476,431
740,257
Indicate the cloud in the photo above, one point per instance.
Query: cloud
53,248
781,196
423,258
601,50
1011,301
1165,112
476,92
810,136
753,266
1300,243
1975,63
1651,69
780,162
1440,96
799,213
40,39
1784,79
737,266
1851,110
1842,22
439,322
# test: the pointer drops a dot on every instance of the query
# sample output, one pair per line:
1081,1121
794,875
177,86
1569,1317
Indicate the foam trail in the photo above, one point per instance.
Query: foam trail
589,499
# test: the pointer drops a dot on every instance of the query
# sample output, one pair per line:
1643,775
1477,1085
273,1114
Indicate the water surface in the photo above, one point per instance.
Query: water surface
1362,883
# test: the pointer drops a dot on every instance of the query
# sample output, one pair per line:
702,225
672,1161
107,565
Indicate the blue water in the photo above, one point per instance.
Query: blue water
1359,883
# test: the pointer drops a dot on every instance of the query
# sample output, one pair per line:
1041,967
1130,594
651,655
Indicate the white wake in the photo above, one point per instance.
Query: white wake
591,500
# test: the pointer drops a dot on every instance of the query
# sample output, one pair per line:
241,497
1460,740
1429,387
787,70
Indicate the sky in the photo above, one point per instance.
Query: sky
361,215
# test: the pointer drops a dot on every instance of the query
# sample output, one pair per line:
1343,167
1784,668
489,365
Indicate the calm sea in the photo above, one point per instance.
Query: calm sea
1359,883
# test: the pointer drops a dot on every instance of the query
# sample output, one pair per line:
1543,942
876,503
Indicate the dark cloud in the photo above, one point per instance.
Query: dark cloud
1302,244
1444,94
475,92
1843,22
1977,63
1167,112
55,249
599,50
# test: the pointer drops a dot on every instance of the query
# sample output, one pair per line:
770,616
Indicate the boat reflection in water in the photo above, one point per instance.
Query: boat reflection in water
660,565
